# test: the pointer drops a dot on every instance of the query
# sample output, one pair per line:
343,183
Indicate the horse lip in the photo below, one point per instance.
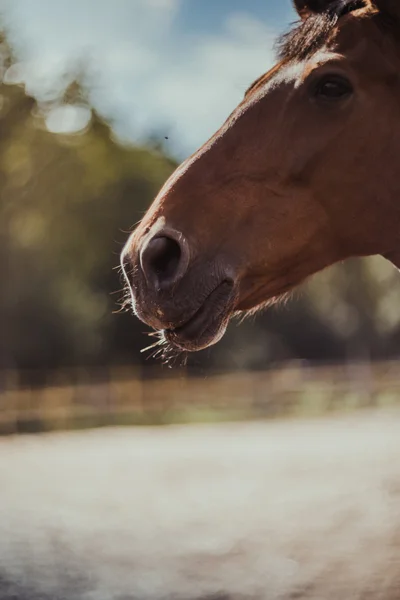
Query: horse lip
204,326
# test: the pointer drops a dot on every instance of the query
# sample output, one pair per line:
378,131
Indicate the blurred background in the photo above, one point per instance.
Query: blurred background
235,497
98,105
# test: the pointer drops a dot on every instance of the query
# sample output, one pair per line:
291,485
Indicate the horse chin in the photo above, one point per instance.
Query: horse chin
182,342
208,325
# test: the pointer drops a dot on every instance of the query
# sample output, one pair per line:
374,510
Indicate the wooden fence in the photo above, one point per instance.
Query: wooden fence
92,398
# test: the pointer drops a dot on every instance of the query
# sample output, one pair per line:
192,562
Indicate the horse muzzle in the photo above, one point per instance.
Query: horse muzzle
188,299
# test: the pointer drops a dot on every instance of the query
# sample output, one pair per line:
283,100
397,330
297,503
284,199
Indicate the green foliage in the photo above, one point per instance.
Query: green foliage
66,205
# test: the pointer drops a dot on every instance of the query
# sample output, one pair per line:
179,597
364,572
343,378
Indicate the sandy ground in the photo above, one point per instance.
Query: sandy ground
287,510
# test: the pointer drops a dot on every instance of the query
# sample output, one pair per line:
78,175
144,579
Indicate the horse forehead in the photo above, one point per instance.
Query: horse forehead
350,43
289,73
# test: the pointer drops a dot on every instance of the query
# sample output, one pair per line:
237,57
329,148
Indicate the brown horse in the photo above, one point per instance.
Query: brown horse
302,174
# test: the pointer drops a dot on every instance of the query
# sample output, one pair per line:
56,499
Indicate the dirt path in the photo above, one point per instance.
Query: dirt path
299,510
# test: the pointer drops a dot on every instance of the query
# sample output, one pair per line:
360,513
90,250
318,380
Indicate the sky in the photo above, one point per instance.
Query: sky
168,68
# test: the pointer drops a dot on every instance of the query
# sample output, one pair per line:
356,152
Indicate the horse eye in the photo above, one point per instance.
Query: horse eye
332,87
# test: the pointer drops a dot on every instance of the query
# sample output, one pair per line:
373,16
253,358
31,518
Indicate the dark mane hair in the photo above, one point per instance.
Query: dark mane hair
314,32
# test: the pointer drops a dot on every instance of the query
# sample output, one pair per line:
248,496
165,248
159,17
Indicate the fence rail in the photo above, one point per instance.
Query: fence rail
89,398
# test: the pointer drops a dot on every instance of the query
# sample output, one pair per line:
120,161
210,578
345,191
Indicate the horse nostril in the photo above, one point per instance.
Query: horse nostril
163,261
163,256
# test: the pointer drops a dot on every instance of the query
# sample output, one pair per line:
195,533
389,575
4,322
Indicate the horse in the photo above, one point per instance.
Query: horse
302,175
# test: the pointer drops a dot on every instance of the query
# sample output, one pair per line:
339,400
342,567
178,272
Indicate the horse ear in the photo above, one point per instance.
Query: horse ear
339,7
307,7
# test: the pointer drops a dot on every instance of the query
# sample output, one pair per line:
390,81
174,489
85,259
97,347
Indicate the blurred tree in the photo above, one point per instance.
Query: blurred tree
66,203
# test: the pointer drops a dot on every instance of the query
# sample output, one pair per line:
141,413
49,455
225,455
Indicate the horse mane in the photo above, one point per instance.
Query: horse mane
314,32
